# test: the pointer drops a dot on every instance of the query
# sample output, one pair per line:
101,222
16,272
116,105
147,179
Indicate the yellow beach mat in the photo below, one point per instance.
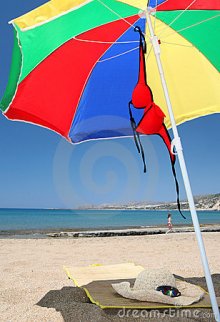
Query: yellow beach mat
96,280
82,276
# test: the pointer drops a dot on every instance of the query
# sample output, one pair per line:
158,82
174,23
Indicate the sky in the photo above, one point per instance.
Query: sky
39,169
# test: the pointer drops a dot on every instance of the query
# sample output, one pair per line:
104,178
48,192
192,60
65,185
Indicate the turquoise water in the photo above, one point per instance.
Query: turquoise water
45,219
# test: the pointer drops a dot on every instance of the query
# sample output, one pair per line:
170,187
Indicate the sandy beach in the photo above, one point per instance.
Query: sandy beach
34,286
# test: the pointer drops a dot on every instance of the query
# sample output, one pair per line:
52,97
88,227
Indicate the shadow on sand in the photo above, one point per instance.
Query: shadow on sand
74,306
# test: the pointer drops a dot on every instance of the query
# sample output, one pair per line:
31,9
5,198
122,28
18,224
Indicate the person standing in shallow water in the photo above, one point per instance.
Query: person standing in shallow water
169,224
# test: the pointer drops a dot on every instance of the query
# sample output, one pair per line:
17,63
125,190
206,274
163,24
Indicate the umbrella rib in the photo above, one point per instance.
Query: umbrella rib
89,74
115,56
193,25
117,14
177,17
160,4
155,16
176,44
149,51
106,42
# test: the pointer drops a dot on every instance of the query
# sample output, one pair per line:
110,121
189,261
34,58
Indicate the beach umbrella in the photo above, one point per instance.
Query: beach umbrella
88,69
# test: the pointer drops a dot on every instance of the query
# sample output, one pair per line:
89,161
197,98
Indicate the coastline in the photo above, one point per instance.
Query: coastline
27,221
103,232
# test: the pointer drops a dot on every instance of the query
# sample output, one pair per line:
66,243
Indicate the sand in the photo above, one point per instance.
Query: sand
34,286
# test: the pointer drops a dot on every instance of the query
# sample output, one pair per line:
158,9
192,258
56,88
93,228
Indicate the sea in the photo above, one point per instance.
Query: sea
61,219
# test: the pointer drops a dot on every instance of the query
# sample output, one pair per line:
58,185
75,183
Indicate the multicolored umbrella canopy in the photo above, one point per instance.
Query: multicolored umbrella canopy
75,64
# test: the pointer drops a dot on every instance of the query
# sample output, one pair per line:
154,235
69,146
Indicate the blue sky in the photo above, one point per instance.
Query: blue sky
39,169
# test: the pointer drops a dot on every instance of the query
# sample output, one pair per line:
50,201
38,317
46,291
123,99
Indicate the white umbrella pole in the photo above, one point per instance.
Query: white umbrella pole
178,146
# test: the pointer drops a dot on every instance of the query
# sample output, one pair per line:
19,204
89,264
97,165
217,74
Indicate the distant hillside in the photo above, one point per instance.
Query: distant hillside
206,202
211,202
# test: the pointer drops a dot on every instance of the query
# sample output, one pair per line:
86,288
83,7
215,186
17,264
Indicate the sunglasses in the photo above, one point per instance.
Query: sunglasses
169,290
